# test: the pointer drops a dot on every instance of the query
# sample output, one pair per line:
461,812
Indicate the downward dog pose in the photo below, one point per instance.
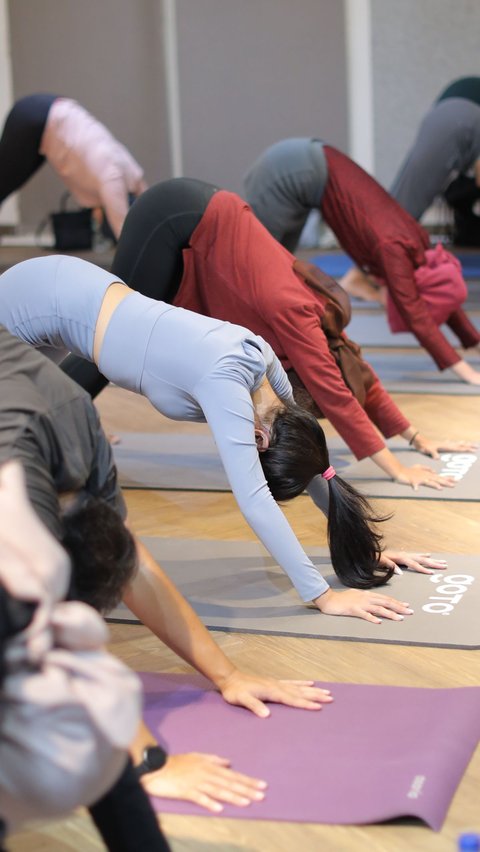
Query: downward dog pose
445,159
95,167
194,368
69,709
185,242
50,426
296,175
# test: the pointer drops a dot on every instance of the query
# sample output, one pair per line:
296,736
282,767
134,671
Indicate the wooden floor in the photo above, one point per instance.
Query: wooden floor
416,525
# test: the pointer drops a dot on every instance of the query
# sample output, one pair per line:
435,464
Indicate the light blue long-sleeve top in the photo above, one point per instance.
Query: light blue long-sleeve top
189,366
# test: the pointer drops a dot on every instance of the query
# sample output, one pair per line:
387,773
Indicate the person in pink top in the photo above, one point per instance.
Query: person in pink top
96,168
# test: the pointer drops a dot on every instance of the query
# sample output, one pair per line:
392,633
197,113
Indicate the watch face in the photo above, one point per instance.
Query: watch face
154,757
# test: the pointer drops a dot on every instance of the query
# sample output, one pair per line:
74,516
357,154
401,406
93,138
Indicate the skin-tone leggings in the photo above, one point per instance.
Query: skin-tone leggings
20,142
149,253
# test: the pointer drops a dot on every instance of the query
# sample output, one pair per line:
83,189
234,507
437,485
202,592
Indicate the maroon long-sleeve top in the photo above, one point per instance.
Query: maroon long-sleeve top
235,270
384,240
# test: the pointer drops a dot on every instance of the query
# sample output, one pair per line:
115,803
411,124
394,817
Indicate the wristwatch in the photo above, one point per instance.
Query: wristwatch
153,758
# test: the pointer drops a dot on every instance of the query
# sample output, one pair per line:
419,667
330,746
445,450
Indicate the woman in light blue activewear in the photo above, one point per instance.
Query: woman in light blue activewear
196,368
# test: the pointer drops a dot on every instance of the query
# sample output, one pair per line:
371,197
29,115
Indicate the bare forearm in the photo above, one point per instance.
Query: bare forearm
387,462
156,601
466,372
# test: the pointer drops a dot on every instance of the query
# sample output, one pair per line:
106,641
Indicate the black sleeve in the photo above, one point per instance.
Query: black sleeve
103,479
15,616
125,818
84,373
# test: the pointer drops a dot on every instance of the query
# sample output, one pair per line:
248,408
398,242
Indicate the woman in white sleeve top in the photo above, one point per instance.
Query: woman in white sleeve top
197,368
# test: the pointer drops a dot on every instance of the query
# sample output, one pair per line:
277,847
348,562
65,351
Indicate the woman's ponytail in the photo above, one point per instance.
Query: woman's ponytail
296,454
355,544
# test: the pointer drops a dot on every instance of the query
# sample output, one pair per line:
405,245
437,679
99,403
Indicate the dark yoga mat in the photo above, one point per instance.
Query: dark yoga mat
471,304
170,462
366,476
372,330
470,261
236,586
414,372
338,263
191,462
375,753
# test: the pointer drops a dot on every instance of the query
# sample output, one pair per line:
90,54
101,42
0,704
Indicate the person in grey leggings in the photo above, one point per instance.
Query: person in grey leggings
445,150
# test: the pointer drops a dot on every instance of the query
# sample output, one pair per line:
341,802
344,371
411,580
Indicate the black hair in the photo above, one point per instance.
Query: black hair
298,452
102,551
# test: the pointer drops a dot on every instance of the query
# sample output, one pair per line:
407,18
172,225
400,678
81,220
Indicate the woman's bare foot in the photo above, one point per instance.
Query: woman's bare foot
359,285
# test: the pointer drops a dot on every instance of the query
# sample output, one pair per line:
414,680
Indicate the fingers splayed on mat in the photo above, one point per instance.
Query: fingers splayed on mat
251,692
434,448
422,563
420,474
361,603
206,780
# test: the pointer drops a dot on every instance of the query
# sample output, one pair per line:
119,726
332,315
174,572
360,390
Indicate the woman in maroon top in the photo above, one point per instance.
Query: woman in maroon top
296,175
187,243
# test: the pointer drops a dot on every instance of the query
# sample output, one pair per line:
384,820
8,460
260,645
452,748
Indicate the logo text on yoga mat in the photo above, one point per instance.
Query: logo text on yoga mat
457,465
448,594
416,787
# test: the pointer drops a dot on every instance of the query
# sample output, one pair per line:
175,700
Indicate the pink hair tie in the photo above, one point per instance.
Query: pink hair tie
329,472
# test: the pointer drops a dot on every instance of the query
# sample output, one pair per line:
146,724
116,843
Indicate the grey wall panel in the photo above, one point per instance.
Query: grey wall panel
107,54
417,48
254,71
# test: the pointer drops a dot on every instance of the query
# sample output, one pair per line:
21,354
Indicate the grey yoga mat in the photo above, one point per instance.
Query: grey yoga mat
236,586
372,330
402,752
191,462
471,304
416,372
178,462
366,476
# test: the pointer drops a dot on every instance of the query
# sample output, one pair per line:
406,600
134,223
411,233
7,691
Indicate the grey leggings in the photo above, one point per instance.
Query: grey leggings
447,143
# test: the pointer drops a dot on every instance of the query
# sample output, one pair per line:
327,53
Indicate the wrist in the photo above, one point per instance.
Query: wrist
323,598
153,758
222,680
409,433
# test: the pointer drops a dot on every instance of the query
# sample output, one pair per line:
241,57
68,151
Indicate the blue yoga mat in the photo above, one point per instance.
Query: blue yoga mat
338,263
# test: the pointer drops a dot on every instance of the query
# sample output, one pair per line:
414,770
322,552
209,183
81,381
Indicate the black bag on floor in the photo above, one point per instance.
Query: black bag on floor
72,228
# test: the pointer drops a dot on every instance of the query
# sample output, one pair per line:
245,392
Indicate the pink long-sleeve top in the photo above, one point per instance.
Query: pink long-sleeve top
97,169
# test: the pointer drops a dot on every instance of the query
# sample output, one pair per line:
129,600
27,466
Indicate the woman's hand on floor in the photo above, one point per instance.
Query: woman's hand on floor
419,474
434,448
362,603
205,779
422,563
249,691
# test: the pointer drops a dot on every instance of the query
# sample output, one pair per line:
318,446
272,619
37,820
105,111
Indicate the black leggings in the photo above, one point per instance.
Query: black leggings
149,253
20,142
125,818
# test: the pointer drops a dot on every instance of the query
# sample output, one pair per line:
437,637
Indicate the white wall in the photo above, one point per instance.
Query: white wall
418,47
9,210
252,72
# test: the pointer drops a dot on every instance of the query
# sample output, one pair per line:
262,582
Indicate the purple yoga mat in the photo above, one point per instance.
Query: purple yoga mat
376,753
